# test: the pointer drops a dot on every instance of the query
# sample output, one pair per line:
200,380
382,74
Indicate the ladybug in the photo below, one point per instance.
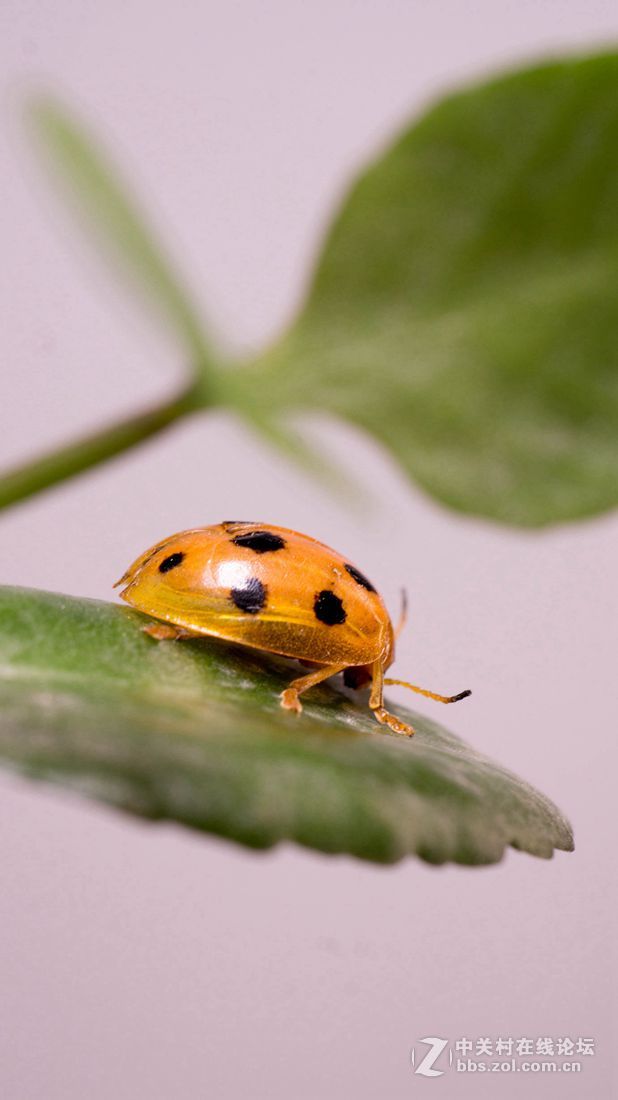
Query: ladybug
277,590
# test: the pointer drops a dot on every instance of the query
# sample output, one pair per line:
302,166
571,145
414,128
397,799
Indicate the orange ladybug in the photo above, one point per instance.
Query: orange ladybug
277,590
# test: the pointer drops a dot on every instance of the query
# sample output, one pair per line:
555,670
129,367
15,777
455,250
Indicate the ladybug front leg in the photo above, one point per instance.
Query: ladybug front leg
163,631
376,702
289,697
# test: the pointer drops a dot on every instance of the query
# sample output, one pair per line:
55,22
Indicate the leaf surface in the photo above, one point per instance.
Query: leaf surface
113,218
464,309
193,732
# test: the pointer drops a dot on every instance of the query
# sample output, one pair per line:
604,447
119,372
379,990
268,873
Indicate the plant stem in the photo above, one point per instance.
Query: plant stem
48,469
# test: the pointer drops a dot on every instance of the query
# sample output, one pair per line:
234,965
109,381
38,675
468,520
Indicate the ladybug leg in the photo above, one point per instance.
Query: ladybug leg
289,697
163,631
376,702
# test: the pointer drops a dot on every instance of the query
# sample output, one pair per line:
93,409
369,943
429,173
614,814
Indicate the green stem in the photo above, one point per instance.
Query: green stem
48,469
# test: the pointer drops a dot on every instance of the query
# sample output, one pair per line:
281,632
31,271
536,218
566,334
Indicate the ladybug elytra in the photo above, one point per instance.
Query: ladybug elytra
272,589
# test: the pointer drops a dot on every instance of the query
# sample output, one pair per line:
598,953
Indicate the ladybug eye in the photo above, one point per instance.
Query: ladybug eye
171,562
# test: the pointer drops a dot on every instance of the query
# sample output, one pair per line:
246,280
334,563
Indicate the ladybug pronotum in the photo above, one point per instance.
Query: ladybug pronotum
277,590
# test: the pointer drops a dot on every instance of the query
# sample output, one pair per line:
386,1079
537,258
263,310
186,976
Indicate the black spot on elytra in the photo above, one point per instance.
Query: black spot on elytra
259,541
251,598
328,608
359,577
171,562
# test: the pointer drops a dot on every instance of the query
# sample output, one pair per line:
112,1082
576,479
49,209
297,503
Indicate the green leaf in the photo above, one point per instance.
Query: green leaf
109,212
465,307
193,732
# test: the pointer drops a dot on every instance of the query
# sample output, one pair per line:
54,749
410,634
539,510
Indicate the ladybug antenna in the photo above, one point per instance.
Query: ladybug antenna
403,614
430,694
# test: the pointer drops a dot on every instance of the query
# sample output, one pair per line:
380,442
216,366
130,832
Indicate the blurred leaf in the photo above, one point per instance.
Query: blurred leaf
465,307
108,210
193,732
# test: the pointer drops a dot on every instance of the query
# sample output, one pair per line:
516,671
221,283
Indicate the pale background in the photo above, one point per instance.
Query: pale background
141,961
